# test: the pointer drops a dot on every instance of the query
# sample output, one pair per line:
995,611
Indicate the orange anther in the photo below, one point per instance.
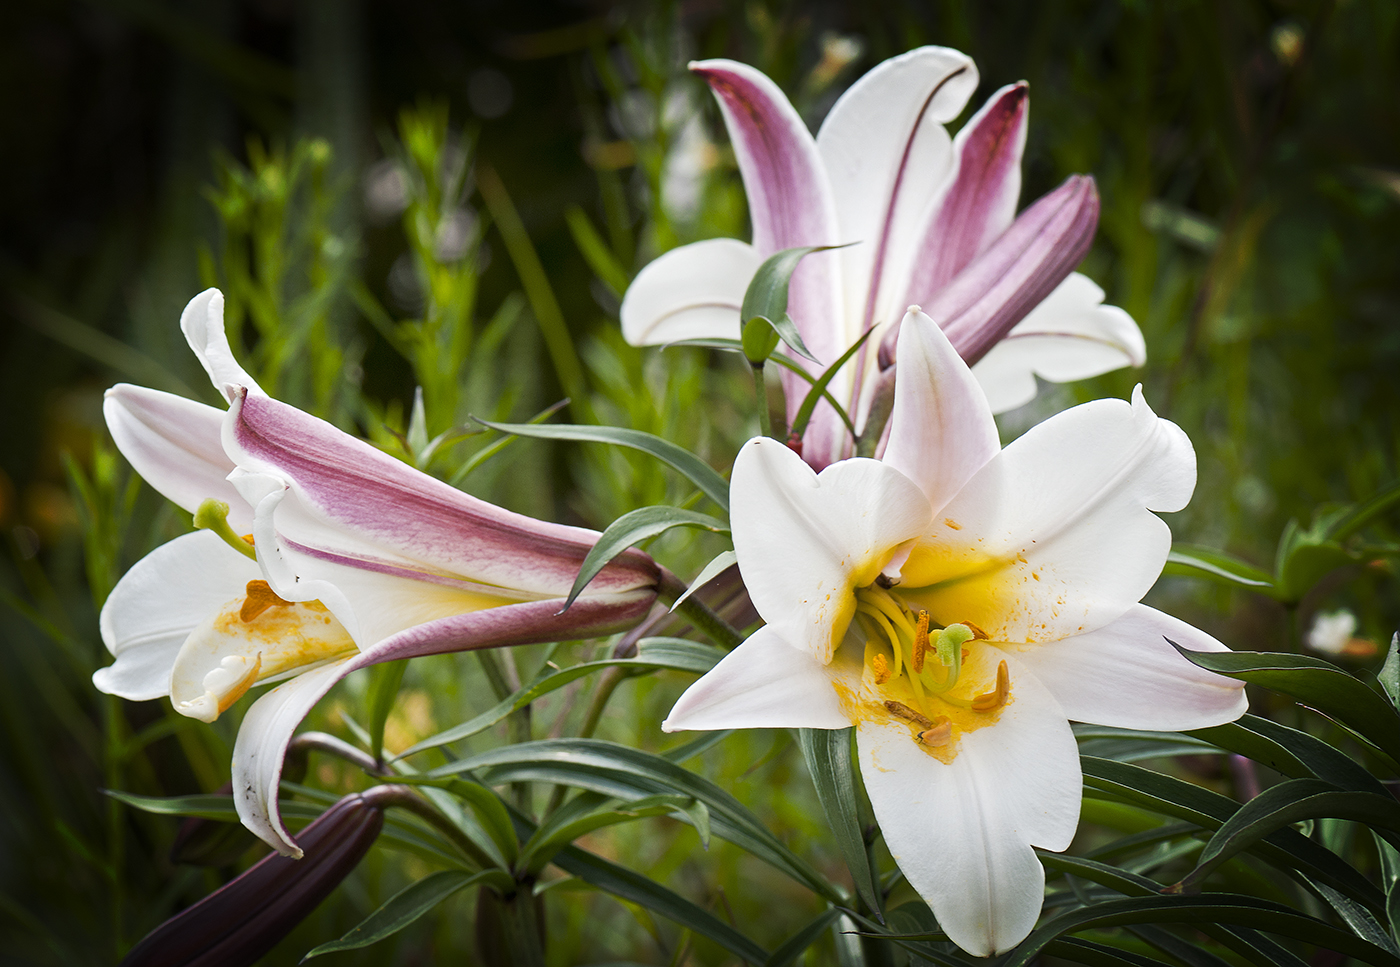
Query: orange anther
908,714
916,660
939,733
881,668
260,598
995,699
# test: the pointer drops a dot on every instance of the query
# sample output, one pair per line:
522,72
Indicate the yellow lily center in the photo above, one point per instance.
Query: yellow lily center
941,682
252,639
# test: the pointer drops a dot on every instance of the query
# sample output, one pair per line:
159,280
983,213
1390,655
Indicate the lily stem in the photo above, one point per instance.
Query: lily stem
607,684
760,385
699,613
407,798
505,681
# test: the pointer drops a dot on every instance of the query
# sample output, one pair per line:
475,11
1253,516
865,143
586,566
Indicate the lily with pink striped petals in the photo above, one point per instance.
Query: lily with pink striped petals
958,603
360,559
935,219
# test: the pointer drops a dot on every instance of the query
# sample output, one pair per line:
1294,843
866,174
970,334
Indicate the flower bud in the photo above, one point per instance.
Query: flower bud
1023,266
245,918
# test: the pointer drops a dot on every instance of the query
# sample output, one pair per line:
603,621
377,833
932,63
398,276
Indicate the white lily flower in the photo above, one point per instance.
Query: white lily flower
360,559
935,219
959,603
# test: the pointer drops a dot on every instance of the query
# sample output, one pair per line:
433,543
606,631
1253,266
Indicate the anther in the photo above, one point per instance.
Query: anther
995,699
938,733
908,714
916,660
260,598
881,669
977,632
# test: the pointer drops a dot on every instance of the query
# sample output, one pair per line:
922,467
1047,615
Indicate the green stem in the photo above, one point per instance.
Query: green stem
607,684
409,799
698,613
760,384
505,680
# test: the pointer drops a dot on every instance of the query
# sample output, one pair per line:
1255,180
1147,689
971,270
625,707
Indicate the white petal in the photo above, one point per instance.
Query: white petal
158,603
174,444
962,832
1054,537
691,292
765,683
805,541
262,745
1071,335
941,430
1127,675
202,322
888,157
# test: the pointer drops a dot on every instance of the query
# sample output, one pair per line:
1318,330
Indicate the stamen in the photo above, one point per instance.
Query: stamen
939,733
995,699
260,598
907,713
878,616
977,632
916,661
881,668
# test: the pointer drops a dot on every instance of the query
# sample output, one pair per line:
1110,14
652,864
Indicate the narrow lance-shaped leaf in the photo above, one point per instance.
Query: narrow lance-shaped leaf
1315,683
1290,802
809,403
631,528
406,906
796,945
766,299
721,563
697,471
383,689
1193,560
829,761
1390,672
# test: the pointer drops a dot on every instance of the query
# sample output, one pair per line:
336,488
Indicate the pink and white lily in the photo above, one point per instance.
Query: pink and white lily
959,603
360,559
935,219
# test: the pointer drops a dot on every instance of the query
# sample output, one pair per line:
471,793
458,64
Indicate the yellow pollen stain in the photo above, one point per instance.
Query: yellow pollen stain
260,598
881,667
248,539
951,524
916,660
240,688
997,698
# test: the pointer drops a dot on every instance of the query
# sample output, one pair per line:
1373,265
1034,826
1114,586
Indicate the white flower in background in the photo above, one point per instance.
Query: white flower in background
360,559
935,219
958,604
1331,631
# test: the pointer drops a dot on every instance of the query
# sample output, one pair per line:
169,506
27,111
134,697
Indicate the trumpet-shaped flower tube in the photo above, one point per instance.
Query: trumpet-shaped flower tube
360,559
935,219
958,603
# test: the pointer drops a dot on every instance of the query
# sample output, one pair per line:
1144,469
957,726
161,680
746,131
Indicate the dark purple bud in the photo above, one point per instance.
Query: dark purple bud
244,919
1002,285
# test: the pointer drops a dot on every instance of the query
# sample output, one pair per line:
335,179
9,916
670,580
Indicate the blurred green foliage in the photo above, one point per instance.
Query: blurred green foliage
453,197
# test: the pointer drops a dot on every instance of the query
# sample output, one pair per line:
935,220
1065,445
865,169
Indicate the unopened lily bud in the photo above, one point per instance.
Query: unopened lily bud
244,919
1023,266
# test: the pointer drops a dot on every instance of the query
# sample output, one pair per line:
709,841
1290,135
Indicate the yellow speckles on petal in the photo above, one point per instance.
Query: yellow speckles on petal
951,524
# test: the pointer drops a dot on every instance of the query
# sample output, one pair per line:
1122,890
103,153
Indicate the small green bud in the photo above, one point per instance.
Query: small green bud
759,340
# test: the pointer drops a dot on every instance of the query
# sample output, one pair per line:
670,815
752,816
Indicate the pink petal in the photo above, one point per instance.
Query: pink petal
981,203
790,202
173,443
350,500
941,430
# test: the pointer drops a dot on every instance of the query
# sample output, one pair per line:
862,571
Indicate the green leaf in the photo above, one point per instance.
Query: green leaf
690,466
555,834
1317,684
625,773
818,389
653,654
1212,908
384,682
1291,752
722,562
1306,556
408,905
1129,745
220,808
1354,518
787,362
635,888
1289,802
767,298
417,436
1389,676
631,528
1099,955
1194,560
1284,849
595,251
829,761
493,816
1359,919
796,945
